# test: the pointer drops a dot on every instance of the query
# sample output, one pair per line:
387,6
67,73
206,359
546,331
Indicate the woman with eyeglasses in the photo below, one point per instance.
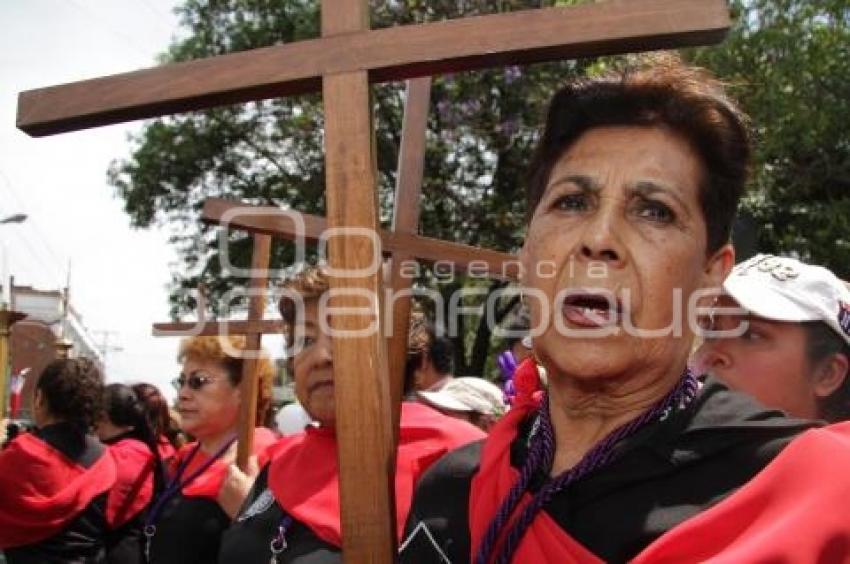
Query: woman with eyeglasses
185,522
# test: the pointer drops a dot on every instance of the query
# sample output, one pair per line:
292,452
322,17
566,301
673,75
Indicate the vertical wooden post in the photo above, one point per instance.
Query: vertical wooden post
364,436
411,163
253,342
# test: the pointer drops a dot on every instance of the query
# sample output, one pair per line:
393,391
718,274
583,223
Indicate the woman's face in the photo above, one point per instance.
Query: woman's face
213,408
768,361
615,247
313,368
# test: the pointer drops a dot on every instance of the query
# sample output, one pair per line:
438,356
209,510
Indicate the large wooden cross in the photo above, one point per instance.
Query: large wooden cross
402,244
342,64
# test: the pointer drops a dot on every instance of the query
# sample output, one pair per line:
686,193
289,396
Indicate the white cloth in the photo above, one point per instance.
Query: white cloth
292,419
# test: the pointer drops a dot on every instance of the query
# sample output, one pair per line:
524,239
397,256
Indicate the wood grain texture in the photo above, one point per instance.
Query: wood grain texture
212,328
406,208
282,224
365,449
249,385
395,53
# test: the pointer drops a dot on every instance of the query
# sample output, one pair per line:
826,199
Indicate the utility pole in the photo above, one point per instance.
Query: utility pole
104,347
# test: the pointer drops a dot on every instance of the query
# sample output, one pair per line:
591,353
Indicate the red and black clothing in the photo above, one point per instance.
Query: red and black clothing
696,484
300,489
129,498
54,485
190,523
166,449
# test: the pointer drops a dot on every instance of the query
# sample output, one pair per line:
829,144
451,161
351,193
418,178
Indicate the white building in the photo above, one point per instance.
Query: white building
46,306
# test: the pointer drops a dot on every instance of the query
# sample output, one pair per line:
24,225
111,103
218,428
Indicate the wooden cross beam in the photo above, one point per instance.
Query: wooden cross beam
293,226
345,60
411,164
272,221
395,53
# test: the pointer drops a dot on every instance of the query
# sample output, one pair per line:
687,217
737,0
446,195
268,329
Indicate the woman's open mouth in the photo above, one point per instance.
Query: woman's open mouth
588,309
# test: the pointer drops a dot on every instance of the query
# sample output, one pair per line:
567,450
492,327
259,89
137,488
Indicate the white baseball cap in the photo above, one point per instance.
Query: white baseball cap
785,289
468,394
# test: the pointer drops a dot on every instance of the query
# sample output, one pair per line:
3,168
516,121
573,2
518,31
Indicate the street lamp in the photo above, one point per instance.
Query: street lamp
14,218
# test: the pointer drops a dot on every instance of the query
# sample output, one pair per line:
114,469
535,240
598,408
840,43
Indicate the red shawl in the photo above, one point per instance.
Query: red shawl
41,490
209,483
305,480
792,511
133,488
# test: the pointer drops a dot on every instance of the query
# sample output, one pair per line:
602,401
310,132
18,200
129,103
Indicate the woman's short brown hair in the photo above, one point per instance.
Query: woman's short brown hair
308,284
226,350
657,90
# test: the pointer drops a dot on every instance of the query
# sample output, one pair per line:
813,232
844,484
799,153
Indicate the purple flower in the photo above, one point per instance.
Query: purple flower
512,74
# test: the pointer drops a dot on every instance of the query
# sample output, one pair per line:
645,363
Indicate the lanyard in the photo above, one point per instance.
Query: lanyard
175,485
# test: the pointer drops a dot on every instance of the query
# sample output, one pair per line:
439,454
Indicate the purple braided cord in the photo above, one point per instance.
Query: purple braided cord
542,450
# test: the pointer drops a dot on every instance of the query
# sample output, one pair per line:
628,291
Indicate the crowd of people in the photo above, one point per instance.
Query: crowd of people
617,435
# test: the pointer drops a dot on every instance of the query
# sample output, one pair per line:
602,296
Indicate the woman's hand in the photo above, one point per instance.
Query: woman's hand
236,486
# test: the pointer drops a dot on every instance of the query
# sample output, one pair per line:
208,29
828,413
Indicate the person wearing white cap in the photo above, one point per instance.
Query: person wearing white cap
789,344
473,399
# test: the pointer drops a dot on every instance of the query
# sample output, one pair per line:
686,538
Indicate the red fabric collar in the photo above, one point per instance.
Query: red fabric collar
792,511
133,488
41,490
544,541
209,483
304,476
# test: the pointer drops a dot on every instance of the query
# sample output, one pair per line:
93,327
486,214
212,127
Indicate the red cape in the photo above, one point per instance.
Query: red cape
133,488
792,511
305,480
41,490
209,483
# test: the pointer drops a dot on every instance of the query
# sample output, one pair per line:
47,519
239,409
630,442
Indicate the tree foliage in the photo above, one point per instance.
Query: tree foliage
789,64
481,128
787,60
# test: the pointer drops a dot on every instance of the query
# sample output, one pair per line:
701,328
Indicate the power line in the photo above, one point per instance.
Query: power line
129,41
53,272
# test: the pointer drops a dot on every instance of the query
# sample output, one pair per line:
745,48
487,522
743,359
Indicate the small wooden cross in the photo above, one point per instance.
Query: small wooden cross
343,62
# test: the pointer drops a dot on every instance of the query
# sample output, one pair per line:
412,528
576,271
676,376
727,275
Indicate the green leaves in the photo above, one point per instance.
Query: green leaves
790,63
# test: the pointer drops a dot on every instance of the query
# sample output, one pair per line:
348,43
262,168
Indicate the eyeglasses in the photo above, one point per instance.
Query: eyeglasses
195,381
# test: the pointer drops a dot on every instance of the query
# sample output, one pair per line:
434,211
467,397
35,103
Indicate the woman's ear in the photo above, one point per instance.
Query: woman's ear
830,375
718,266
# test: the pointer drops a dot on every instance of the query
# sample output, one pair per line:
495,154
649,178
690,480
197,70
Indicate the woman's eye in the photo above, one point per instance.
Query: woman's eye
308,342
751,335
571,202
655,211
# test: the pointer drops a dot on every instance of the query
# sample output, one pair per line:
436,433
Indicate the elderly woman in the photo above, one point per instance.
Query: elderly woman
54,482
185,522
624,457
292,514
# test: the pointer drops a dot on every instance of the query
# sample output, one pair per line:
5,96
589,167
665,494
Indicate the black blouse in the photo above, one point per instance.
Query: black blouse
663,475
250,536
